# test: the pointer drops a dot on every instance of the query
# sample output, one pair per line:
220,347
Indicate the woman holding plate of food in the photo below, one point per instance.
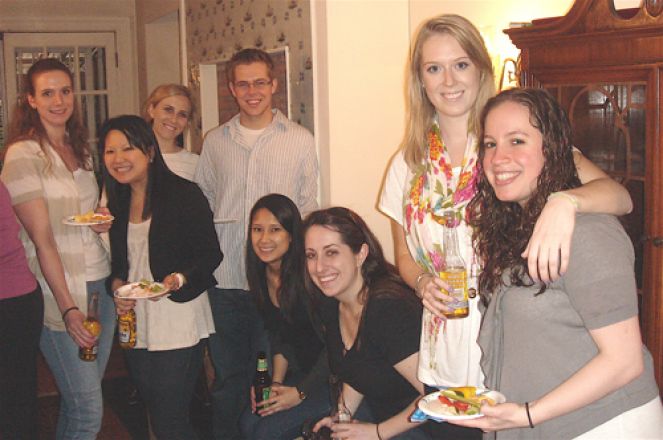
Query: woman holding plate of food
568,354
163,231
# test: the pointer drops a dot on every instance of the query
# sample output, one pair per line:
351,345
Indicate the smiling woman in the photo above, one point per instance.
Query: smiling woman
169,109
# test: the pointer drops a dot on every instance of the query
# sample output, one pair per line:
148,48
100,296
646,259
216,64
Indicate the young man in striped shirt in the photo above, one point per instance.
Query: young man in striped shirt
258,152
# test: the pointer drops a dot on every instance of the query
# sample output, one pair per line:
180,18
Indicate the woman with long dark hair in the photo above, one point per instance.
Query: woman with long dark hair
48,172
163,231
371,330
275,271
568,355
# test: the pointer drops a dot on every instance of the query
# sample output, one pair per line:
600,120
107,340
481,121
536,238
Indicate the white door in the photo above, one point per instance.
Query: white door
91,57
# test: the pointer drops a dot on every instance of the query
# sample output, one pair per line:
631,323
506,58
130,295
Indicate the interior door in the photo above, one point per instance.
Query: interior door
90,56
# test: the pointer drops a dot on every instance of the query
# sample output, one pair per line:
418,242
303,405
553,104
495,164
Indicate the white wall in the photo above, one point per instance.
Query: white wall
162,51
360,48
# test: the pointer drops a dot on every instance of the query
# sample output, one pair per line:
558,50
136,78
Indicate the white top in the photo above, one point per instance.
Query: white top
164,324
183,163
97,263
250,135
450,355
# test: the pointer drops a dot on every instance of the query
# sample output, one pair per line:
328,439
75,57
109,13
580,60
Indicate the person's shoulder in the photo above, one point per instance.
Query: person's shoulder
291,126
23,146
598,233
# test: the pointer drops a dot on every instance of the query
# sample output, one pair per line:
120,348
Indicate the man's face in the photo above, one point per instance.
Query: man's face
253,89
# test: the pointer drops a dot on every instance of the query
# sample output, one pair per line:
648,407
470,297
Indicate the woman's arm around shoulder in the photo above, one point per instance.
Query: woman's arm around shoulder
548,249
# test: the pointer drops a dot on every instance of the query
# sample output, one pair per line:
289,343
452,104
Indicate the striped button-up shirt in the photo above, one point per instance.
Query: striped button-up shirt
234,175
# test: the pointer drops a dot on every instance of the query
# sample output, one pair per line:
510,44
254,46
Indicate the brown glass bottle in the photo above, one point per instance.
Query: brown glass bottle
262,381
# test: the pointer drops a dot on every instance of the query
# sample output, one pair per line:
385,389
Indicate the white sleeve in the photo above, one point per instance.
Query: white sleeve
393,191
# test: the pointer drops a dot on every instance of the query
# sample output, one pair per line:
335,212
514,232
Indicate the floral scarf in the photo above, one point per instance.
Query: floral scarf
432,193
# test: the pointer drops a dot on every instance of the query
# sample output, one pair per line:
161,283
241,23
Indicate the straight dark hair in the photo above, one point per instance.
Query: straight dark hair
292,263
140,135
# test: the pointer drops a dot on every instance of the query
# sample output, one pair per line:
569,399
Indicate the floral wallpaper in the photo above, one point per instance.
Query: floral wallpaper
218,28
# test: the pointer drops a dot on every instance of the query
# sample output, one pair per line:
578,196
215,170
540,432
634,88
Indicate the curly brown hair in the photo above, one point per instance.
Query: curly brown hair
26,123
503,229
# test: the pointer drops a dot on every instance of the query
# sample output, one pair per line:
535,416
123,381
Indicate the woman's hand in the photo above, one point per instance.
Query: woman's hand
323,423
354,431
172,282
549,247
73,322
498,417
124,305
282,398
434,295
102,227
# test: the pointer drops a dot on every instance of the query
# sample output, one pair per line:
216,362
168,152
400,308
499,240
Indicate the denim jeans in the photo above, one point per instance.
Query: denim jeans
166,381
21,320
239,335
79,382
287,425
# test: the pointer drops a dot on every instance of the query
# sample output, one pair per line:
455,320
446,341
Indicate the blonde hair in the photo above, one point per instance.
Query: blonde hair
166,91
419,109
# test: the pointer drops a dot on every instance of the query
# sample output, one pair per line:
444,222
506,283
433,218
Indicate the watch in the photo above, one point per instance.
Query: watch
302,394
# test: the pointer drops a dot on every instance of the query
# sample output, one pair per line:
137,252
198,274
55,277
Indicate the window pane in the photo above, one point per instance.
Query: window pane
93,68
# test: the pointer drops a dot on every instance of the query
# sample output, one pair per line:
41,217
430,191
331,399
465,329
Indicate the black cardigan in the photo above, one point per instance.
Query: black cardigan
182,238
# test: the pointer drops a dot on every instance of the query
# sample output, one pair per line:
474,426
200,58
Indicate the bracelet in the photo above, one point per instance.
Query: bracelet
377,431
68,310
571,198
529,417
418,280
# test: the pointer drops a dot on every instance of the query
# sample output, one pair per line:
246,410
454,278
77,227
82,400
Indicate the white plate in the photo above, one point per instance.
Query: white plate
71,221
134,291
431,405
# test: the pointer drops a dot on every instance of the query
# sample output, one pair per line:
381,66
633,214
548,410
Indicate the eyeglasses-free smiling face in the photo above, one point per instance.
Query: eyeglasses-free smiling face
53,98
332,265
513,152
126,163
253,90
269,238
450,77
170,116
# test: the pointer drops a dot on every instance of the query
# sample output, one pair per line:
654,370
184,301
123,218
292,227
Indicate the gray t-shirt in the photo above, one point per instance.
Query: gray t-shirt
533,343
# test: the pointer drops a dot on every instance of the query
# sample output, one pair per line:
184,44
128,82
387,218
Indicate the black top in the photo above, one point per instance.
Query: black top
299,342
389,333
181,238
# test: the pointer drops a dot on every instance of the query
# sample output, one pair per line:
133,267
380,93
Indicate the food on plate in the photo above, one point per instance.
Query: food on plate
92,217
141,289
463,401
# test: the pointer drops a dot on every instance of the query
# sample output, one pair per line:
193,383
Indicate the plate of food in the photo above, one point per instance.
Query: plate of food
141,290
88,219
460,403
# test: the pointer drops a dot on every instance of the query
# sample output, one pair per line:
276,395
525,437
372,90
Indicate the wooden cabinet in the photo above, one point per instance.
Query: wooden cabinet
606,68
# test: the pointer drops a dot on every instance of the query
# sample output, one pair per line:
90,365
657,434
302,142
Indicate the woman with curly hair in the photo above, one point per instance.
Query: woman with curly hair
275,272
450,78
48,172
567,354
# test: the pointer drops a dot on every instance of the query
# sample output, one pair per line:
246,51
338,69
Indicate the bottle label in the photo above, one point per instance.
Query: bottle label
457,279
123,333
265,393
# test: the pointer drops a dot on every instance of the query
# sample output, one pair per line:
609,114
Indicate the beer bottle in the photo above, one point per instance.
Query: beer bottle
93,326
126,329
262,381
454,272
